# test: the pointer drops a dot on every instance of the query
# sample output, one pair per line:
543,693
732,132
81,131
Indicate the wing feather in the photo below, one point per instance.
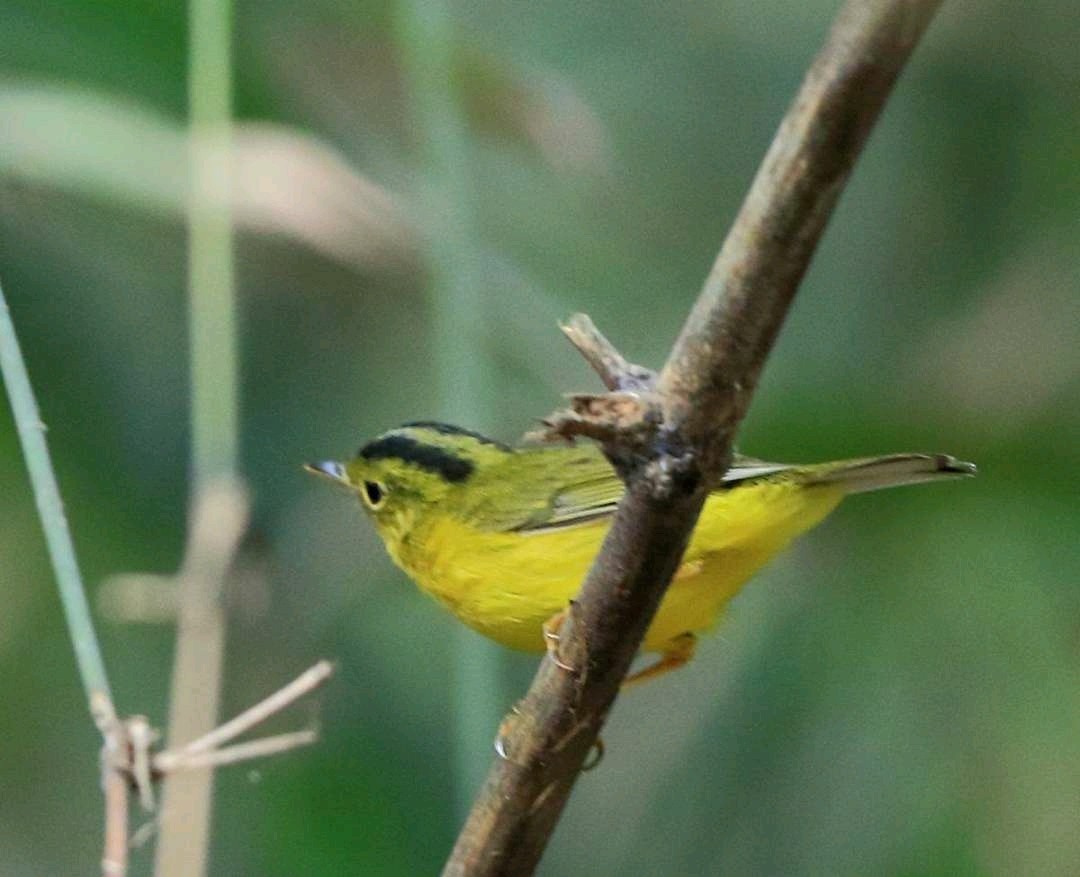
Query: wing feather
549,488
543,488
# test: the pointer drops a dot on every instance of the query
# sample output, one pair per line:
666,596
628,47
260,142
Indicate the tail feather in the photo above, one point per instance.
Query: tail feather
875,473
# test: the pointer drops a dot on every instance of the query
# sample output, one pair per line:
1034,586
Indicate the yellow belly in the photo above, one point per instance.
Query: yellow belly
506,585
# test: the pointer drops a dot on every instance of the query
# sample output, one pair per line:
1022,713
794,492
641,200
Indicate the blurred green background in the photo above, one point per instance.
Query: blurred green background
898,694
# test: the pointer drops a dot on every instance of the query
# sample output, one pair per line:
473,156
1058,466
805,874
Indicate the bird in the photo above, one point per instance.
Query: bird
502,536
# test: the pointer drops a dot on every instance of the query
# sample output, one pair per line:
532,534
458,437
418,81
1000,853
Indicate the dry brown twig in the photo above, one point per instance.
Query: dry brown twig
671,437
218,524
198,751
612,367
129,762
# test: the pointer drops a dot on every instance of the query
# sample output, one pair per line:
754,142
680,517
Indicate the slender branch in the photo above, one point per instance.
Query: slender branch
261,748
135,761
614,370
80,625
682,442
306,682
141,737
50,506
115,786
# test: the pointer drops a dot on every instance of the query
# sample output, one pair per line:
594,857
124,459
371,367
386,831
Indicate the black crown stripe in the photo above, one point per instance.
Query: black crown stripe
450,429
434,459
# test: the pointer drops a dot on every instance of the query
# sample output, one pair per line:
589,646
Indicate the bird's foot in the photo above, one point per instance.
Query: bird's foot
676,653
551,638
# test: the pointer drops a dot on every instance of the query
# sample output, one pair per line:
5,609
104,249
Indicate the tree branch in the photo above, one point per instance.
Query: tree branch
679,440
614,370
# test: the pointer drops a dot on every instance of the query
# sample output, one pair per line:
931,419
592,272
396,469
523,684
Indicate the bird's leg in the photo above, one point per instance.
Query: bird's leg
676,653
551,638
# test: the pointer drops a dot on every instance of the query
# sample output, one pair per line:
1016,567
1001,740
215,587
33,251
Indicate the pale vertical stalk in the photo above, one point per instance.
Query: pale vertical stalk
427,41
185,816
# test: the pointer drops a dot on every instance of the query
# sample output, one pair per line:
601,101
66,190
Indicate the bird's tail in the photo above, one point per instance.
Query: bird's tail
874,473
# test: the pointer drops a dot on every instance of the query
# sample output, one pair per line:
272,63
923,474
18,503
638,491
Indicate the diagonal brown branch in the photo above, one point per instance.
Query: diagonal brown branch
689,420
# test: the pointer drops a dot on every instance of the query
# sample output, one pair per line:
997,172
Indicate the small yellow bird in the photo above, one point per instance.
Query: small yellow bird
502,537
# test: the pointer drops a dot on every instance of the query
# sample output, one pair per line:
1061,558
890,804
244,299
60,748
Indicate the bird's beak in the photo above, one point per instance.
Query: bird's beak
329,469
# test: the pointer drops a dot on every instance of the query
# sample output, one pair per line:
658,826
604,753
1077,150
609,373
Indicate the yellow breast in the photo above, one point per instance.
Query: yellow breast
506,585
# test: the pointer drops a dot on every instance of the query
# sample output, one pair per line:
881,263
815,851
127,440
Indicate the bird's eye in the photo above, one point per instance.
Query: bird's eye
374,494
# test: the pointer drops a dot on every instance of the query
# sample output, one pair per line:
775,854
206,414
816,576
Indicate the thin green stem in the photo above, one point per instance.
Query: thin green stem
427,41
212,305
51,511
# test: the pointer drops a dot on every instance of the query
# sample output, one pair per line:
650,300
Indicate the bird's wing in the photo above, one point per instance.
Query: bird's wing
750,468
544,487
554,487
588,497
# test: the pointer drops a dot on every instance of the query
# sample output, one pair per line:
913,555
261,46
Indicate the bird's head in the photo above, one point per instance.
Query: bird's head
407,472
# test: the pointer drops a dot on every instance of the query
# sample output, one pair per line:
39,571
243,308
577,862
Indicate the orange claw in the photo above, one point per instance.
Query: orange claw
677,652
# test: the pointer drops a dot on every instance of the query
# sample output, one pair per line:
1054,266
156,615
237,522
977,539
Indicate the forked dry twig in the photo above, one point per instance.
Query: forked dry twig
202,751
